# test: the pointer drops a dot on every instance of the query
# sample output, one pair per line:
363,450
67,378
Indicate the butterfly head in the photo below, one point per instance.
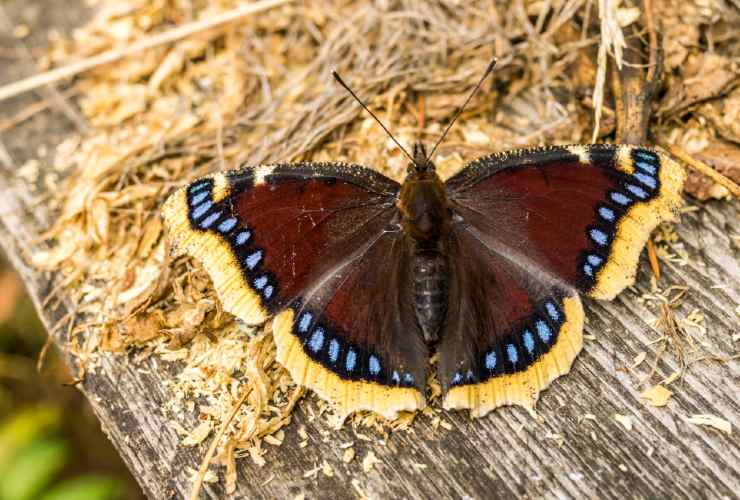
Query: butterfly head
421,164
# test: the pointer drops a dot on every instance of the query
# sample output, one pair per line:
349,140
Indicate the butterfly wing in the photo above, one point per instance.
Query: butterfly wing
582,212
544,224
355,340
307,243
511,327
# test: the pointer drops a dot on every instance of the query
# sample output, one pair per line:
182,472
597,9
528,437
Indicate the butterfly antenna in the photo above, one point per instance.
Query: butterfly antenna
490,67
346,87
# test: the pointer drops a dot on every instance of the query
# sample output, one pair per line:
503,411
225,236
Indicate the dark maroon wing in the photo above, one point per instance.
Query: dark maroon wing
581,212
532,228
309,243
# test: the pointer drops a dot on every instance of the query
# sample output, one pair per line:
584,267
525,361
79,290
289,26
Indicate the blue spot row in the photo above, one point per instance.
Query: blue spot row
351,360
552,311
648,180
646,167
374,365
263,283
199,186
227,225
458,378
512,354
528,341
200,210
305,322
242,237
641,186
204,213
491,360
607,214
637,191
599,237
208,221
198,197
523,347
334,350
322,345
317,340
253,259
620,198
543,331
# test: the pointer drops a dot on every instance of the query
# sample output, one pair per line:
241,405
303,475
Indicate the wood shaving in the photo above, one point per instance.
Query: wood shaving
369,461
625,420
348,455
657,395
198,435
711,421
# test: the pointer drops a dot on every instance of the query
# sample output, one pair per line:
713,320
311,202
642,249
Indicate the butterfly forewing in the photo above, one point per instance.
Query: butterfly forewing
581,212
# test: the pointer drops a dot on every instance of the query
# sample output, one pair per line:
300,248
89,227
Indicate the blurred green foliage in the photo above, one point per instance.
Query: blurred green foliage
33,458
51,445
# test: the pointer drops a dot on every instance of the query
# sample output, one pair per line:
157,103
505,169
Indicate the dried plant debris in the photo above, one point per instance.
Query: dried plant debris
260,90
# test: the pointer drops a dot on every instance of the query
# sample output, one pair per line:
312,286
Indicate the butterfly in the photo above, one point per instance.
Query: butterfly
364,276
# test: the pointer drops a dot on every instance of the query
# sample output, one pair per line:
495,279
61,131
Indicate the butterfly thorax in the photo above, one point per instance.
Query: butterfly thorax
426,220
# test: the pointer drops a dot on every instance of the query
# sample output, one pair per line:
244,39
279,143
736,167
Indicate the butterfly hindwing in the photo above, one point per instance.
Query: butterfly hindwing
305,239
354,339
582,212
510,329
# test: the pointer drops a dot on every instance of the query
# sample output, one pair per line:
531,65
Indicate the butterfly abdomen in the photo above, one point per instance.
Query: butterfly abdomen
430,292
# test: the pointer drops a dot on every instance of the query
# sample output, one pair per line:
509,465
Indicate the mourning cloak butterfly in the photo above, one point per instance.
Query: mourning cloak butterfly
363,274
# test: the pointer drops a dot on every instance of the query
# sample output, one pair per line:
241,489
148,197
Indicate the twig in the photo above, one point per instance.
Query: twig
703,168
653,258
110,56
212,449
30,111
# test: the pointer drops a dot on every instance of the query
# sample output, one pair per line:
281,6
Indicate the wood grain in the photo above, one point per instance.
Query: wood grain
562,453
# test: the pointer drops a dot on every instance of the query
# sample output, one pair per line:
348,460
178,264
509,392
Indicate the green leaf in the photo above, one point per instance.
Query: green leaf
86,488
24,427
33,469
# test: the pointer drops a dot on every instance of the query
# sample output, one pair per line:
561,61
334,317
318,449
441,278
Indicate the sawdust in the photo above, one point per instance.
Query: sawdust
260,91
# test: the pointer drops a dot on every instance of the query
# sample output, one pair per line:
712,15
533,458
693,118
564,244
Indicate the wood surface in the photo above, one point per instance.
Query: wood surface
574,448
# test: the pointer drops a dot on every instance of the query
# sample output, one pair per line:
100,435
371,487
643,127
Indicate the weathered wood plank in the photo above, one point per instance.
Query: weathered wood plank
509,453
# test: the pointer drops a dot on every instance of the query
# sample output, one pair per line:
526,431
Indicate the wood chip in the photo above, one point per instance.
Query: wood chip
348,456
327,470
656,395
369,461
625,420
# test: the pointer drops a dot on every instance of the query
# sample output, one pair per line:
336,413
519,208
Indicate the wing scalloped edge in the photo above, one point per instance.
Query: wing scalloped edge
215,255
347,396
634,228
523,388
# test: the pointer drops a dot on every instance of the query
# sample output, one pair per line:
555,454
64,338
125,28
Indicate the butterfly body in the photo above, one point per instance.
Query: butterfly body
426,218
365,277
